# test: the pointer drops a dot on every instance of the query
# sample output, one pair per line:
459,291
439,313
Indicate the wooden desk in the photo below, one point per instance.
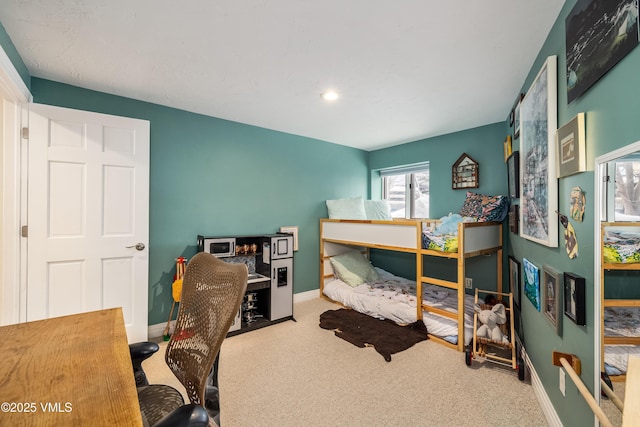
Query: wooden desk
72,370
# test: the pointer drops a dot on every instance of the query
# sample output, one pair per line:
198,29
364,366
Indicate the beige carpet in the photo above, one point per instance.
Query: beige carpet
295,373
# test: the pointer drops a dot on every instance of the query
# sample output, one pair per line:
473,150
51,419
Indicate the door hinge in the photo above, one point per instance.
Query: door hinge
25,231
25,133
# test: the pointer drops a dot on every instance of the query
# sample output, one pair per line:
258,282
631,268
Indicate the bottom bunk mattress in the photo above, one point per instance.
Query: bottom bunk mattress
394,298
620,322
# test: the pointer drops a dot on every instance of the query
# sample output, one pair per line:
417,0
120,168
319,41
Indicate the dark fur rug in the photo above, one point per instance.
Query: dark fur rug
364,331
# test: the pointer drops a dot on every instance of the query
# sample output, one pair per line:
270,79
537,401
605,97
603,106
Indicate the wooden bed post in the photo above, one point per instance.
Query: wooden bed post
321,288
461,288
419,272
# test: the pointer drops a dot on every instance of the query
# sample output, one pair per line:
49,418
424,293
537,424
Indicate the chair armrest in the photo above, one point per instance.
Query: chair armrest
190,415
143,350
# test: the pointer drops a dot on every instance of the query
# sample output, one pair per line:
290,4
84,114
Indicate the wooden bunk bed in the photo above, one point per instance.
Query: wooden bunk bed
619,253
474,239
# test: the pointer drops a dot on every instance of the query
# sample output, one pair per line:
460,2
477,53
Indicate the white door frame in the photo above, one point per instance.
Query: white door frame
15,96
597,253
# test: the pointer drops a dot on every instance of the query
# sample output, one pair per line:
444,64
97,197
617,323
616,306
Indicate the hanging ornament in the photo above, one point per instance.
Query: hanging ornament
578,202
570,239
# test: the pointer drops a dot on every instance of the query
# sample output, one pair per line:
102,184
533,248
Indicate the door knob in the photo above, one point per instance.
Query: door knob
139,246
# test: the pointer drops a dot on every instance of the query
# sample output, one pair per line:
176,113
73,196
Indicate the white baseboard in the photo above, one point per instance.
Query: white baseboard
543,399
306,296
157,330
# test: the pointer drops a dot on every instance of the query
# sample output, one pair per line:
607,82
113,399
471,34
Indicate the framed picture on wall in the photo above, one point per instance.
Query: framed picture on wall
572,157
538,182
513,175
552,296
514,280
574,298
531,282
515,116
598,35
513,219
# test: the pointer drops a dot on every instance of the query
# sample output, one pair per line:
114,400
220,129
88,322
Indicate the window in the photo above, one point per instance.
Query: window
627,190
407,191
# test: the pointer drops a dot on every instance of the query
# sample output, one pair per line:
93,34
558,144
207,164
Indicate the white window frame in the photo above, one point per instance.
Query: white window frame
410,196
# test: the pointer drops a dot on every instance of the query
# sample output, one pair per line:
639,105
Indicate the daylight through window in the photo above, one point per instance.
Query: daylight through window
407,191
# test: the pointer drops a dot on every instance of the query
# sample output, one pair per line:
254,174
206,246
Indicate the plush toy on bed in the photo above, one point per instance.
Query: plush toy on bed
491,319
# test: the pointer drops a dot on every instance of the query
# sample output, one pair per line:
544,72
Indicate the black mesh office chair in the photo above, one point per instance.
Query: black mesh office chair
212,292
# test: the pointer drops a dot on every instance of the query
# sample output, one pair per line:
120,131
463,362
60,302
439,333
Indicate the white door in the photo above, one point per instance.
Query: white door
88,196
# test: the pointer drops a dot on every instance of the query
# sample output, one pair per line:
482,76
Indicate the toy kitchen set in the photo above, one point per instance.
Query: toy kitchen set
269,259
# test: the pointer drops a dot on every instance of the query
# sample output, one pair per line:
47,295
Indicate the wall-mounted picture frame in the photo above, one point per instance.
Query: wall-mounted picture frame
538,177
515,116
513,219
531,282
508,147
598,35
572,157
552,291
513,175
574,298
514,280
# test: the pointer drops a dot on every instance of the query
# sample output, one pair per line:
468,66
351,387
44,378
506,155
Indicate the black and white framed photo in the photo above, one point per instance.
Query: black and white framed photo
538,177
572,157
574,298
514,280
598,35
552,296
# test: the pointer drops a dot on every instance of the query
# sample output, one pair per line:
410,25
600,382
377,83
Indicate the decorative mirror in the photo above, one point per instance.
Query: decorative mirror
465,173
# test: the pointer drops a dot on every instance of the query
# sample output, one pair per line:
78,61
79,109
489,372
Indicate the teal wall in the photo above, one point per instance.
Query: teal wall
216,177
14,56
611,108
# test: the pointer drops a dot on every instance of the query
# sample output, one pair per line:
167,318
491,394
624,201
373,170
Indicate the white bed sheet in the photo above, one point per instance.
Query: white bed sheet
616,357
394,298
620,322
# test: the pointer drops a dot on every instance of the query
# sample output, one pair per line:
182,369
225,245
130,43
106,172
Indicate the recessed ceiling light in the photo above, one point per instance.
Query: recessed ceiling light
330,95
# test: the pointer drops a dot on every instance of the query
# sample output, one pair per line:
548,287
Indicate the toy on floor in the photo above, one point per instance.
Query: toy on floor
491,319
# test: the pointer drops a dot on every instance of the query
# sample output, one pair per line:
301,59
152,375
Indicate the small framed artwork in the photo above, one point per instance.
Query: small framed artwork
514,280
531,282
508,147
574,298
571,147
552,295
515,116
513,175
513,218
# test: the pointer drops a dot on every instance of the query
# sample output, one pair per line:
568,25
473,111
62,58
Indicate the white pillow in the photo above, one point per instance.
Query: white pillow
352,208
353,268
377,209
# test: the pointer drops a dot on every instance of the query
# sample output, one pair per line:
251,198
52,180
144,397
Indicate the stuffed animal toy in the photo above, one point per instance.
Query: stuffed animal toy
490,320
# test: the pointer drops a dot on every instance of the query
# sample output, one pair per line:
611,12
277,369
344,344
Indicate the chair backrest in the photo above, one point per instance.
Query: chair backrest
212,291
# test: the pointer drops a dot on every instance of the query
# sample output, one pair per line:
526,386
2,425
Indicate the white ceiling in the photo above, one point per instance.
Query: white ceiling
405,69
